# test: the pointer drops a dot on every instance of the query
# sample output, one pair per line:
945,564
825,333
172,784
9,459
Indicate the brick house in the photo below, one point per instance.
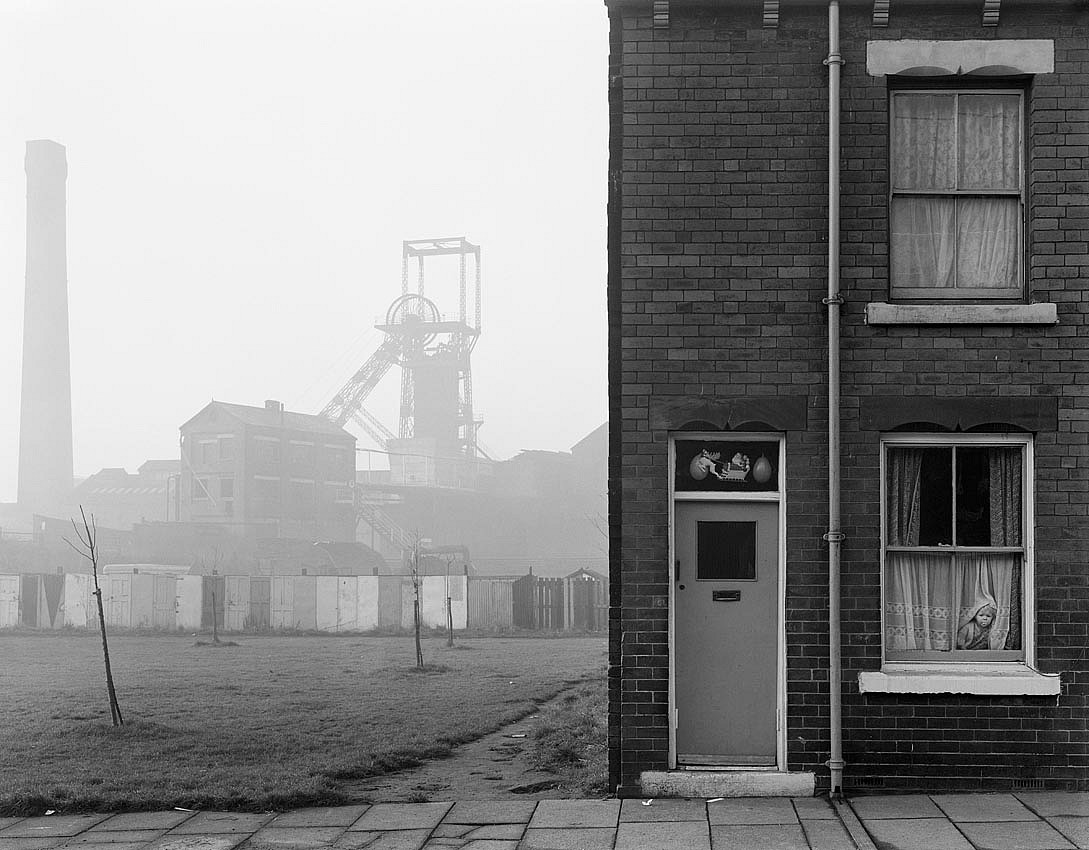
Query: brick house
849,413
287,474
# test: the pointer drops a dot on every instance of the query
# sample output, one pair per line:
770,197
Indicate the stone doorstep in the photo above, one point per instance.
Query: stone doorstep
726,783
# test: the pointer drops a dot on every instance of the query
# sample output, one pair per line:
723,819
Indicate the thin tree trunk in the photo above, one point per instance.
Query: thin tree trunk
115,708
449,623
416,616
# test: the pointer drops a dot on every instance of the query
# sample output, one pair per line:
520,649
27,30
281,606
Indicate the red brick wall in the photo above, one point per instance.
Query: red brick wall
718,223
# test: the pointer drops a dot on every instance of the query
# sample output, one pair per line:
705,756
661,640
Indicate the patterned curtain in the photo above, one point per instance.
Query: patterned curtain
902,488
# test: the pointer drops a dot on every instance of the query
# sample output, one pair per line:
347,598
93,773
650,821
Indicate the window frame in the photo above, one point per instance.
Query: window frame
954,295
960,660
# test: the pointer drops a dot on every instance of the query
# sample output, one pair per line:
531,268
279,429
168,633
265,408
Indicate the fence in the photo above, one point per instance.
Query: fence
304,603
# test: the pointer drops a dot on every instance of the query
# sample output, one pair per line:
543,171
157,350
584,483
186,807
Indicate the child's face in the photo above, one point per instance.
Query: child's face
985,617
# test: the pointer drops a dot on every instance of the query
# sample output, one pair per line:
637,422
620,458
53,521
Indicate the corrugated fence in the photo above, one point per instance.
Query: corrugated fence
303,603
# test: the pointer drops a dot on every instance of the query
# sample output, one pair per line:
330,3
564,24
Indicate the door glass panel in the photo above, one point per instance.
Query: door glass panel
726,551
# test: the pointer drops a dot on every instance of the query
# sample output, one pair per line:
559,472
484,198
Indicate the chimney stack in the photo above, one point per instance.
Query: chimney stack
45,425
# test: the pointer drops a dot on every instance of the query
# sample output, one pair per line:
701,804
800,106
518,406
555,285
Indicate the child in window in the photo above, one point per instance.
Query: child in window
976,632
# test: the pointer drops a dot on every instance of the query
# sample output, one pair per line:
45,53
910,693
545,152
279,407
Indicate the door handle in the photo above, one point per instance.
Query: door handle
677,570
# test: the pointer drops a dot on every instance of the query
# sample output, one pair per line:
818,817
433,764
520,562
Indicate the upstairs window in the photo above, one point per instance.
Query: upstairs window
957,194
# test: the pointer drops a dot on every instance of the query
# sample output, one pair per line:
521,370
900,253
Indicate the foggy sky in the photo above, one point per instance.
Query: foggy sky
241,176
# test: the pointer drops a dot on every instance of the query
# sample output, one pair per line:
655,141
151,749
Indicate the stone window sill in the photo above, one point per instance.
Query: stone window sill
979,679
880,313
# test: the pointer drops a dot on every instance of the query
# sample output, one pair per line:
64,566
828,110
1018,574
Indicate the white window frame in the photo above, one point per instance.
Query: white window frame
987,677
975,294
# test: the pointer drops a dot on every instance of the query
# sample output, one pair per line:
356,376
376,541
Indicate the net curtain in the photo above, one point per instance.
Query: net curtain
930,597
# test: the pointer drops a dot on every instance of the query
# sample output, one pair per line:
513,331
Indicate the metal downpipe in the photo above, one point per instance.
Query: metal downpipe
834,535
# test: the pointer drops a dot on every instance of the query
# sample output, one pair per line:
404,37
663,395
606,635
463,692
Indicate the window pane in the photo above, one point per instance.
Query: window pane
918,602
988,243
987,589
919,496
939,602
726,551
988,138
923,244
973,497
988,496
923,147
936,497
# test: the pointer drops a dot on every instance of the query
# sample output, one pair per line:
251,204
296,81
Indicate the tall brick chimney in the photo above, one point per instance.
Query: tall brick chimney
45,425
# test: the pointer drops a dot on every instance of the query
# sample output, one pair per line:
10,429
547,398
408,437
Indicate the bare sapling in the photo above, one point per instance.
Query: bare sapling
416,601
88,549
449,608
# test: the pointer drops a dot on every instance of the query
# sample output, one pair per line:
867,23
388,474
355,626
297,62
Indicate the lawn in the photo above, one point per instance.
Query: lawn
274,722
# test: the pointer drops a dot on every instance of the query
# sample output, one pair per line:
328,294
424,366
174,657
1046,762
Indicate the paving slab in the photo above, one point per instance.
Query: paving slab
752,810
916,833
6,822
470,844
982,808
827,835
584,838
400,839
292,837
690,835
212,823
115,836
334,816
895,807
758,837
102,845
29,843
634,811
813,808
52,826
491,811
1074,829
569,813
472,832
222,841
383,817
1047,803
142,820
1015,835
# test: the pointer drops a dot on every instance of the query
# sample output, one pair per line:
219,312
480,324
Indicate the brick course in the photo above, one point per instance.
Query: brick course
717,264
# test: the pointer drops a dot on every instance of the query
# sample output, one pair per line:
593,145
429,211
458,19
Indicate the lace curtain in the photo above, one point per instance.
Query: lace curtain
949,144
932,598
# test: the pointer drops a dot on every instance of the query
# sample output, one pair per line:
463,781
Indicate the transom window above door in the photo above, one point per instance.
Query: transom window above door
957,571
957,194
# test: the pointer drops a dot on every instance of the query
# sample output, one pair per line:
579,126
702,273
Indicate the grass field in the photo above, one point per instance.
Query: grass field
274,722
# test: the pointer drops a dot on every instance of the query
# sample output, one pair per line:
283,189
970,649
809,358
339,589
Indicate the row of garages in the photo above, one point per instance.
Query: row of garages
302,603
231,603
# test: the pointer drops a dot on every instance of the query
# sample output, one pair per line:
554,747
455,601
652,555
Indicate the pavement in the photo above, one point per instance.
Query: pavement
1023,821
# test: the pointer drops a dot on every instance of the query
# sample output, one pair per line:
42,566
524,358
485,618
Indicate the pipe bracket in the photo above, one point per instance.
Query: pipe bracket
837,299
834,536
834,59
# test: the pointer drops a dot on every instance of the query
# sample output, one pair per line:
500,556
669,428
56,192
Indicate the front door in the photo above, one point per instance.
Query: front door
726,626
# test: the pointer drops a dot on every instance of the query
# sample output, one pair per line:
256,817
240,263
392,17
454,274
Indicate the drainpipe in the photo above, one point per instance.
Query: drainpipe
833,301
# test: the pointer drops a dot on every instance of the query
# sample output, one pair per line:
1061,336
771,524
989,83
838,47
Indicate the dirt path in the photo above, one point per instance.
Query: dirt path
495,767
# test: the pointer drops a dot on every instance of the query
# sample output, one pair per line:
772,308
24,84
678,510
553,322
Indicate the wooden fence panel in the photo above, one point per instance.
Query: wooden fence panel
305,595
260,618
237,609
9,601
188,601
282,602
490,603
389,602
213,603
118,601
